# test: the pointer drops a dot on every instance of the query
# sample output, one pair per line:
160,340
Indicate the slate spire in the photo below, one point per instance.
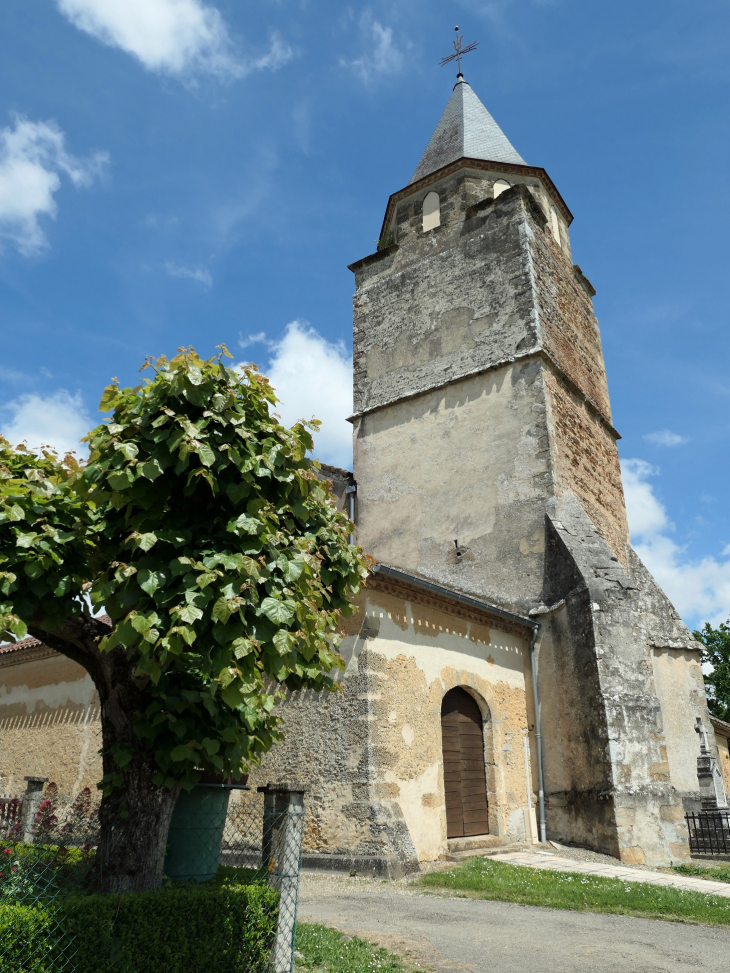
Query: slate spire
465,130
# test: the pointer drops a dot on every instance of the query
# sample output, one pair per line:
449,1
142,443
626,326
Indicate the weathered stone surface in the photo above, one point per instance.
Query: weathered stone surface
482,416
371,754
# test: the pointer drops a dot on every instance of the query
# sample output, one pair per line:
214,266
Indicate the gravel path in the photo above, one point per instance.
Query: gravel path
447,934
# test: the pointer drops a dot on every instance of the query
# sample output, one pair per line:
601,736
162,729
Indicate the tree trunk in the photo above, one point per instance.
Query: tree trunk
135,817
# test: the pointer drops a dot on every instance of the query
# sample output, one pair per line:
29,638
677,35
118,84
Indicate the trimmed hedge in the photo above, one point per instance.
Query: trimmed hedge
187,928
26,939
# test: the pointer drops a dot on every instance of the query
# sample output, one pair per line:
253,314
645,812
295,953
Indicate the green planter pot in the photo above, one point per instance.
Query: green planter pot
196,833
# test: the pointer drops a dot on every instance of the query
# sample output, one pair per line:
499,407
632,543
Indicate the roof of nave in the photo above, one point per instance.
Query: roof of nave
721,726
27,643
30,648
465,130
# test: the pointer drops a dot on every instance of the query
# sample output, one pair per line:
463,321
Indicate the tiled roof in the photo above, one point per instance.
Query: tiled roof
33,643
28,643
466,130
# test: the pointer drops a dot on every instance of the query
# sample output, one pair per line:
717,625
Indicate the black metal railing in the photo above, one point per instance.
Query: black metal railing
709,832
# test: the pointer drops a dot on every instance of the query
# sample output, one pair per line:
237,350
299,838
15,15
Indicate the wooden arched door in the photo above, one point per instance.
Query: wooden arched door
465,780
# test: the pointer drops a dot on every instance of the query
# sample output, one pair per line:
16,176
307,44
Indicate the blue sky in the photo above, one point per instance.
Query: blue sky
174,172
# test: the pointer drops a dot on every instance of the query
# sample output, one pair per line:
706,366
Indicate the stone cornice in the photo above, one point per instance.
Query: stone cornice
31,653
536,352
449,606
537,172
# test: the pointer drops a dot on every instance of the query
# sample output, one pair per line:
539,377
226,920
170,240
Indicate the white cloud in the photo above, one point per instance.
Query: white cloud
313,378
58,420
33,158
699,588
381,56
254,339
191,273
665,438
170,36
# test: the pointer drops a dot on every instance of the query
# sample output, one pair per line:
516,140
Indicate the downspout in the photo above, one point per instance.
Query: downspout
350,492
538,735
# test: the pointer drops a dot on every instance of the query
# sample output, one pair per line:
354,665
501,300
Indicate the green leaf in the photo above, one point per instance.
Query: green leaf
151,469
146,541
26,540
127,449
109,397
242,647
281,612
208,577
250,525
238,492
189,613
231,696
284,641
15,513
181,753
121,480
206,454
222,611
149,581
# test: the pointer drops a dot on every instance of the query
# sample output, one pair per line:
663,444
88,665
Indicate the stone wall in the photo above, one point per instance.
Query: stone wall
371,753
466,463
49,723
585,461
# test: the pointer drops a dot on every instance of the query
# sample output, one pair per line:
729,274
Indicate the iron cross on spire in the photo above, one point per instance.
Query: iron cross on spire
460,51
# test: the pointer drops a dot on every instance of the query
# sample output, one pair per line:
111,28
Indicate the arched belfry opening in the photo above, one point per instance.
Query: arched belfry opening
465,780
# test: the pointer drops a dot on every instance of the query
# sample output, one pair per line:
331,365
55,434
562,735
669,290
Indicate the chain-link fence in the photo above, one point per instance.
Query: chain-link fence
223,896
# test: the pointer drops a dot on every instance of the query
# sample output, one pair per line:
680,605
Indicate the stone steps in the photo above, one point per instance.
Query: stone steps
459,849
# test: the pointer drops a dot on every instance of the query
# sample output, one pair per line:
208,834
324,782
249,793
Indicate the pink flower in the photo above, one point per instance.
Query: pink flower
7,852
15,868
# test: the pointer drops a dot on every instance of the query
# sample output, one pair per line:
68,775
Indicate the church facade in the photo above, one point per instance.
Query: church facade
488,489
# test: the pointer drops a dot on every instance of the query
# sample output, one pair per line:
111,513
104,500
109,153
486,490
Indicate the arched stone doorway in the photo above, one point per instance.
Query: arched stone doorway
465,781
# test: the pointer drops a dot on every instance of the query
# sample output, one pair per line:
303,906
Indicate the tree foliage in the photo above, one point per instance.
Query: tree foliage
716,652
199,525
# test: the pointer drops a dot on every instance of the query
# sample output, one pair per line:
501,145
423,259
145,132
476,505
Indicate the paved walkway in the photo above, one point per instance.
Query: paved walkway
554,863
449,934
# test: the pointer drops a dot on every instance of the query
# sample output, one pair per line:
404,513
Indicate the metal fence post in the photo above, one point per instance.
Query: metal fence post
31,802
281,854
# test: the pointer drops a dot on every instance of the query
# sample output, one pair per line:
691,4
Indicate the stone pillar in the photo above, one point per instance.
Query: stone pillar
31,802
281,854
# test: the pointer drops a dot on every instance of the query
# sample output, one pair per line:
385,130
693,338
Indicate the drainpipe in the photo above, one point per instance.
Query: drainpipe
538,735
350,492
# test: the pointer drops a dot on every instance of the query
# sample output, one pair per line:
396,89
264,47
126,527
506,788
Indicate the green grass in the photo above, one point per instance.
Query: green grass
487,879
717,874
326,950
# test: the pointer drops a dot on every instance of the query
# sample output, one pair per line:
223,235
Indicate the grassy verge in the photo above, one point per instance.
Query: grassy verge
487,879
715,873
327,951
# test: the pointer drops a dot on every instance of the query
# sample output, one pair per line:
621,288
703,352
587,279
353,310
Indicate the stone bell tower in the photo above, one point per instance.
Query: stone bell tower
486,460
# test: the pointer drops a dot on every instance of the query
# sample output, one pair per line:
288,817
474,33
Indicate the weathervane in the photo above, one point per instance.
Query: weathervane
459,52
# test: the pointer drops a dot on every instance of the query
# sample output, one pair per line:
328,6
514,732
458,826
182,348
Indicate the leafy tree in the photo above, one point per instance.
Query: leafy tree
224,567
716,642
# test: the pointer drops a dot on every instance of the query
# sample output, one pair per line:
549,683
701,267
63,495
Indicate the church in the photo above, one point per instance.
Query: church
513,673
